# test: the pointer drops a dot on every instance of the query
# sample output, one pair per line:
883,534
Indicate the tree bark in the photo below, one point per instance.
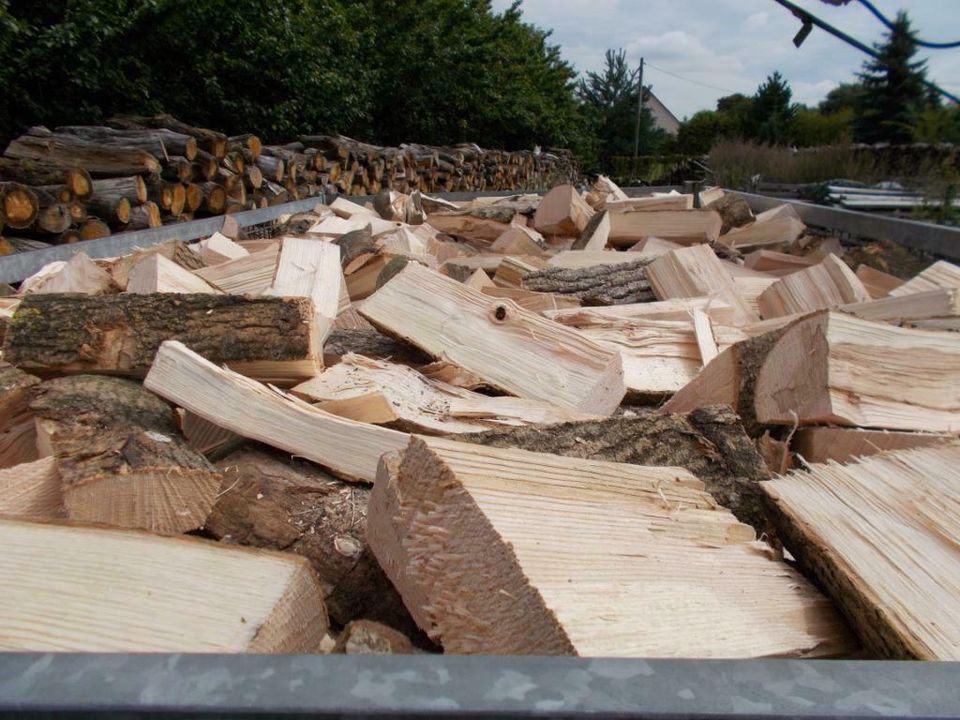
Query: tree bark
114,209
132,188
273,504
37,172
177,169
120,457
247,141
273,168
160,143
709,442
210,140
146,215
371,343
97,158
597,285
121,333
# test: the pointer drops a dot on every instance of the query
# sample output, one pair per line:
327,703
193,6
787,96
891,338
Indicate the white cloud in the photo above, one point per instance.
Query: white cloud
812,93
756,21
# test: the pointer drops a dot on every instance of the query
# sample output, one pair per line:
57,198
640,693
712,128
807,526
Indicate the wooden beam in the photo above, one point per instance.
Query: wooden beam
349,449
687,227
87,589
877,535
499,341
842,445
445,517
835,368
268,338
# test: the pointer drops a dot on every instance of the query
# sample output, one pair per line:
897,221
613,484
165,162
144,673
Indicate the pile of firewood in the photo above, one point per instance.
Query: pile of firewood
578,424
84,182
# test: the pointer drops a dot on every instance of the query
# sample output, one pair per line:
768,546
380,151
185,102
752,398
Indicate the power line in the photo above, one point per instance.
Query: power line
689,80
809,20
922,43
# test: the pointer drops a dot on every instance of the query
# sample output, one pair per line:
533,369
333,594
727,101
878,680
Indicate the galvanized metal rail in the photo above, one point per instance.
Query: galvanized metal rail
352,686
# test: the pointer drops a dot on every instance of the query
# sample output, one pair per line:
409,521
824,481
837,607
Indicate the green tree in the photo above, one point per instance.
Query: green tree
812,128
845,96
893,90
699,133
736,111
610,99
771,114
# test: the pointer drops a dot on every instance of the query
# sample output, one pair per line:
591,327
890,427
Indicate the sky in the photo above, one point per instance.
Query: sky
719,47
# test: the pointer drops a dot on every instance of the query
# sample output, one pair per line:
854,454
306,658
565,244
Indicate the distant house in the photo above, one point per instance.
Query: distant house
662,117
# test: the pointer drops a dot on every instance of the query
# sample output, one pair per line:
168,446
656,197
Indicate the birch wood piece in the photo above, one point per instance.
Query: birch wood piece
783,230
208,439
537,302
18,435
513,269
268,338
615,284
248,275
878,535
576,259
349,449
177,251
502,343
462,224
562,212
442,521
347,209
941,274
695,272
519,240
603,190
79,275
165,594
595,235
703,330
914,309
479,280
835,368
155,273
31,490
652,247
651,203
878,283
311,269
424,405
751,289
776,263
825,285
711,195
675,309
842,445
293,506
120,459
219,248
686,227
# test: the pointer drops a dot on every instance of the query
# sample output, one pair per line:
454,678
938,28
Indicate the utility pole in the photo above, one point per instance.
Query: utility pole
636,133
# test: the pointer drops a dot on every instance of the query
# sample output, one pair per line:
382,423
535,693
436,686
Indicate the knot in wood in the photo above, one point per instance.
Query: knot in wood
499,312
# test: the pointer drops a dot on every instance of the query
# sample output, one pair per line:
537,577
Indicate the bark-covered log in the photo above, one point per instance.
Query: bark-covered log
273,168
214,198
54,193
19,205
709,442
252,177
38,172
146,215
193,197
132,188
296,507
177,169
121,333
114,209
53,219
93,228
597,285
209,140
96,158
160,143
247,141
734,211
120,456
371,343
205,166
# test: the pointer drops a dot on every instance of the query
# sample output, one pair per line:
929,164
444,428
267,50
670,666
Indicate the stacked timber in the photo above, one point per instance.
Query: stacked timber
81,182
513,425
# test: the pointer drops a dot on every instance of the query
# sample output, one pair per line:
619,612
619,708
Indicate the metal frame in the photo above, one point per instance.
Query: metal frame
436,686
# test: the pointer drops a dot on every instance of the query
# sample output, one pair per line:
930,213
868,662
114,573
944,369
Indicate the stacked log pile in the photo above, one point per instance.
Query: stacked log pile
83,182
577,424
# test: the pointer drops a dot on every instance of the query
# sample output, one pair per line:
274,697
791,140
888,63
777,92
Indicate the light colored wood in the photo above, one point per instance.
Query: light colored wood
711,194
880,536
249,275
696,272
31,490
310,268
219,248
687,227
80,274
155,273
505,345
18,435
834,368
373,407
538,302
461,224
204,436
825,285
878,283
675,309
704,332
591,558
718,383
648,204
519,240
594,237
349,449
423,405
751,288
783,230
87,589
912,309
479,280
512,269
589,258
776,263
941,274
348,209
653,247
603,190
842,445
562,212
452,374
